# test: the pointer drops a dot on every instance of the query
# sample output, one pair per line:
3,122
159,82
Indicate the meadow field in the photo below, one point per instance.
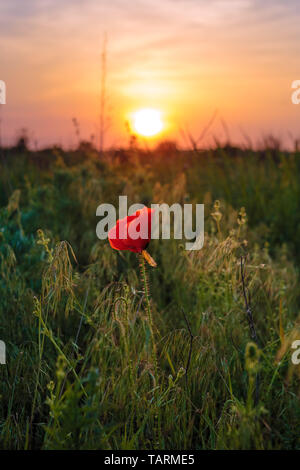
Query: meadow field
202,359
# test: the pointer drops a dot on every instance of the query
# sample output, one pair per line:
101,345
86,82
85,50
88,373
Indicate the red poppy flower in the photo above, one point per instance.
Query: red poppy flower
133,233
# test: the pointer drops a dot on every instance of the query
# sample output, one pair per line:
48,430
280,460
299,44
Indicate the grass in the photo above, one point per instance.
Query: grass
90,363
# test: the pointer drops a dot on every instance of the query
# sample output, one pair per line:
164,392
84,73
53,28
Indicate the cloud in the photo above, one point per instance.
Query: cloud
189,50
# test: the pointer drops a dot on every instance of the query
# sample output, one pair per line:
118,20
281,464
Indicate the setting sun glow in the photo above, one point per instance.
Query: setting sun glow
147,122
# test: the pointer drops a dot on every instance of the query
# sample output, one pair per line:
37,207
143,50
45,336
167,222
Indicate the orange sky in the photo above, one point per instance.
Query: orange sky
186,58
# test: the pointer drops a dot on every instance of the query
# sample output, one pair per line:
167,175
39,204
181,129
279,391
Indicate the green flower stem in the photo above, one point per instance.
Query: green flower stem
149,312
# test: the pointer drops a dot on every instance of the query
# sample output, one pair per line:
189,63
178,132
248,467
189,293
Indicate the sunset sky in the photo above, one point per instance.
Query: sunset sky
186,58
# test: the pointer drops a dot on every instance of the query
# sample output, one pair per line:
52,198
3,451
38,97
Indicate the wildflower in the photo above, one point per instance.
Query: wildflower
242,217
217,215
133,233
252,356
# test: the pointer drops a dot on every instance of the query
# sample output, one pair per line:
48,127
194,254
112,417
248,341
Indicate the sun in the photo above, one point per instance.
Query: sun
147,122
